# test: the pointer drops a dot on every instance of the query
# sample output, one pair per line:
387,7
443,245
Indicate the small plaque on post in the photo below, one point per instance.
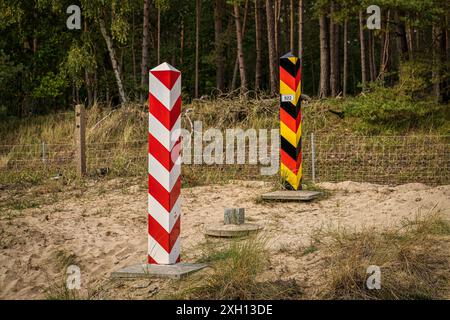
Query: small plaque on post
287,98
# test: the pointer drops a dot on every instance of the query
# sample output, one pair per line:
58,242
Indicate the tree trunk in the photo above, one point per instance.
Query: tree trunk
384,58
410,42
159,36
372,53
292,35
277,14
324,58
236,63
182,42
371,62
219,54
400,40
144,60
334,54
345,75
95,93
300,28
240,48
447,57
88,77
197,47
258,41
362,51
133,53
437,63
115,65
272,51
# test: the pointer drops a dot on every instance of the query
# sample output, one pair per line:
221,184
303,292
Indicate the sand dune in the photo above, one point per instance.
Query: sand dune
105,228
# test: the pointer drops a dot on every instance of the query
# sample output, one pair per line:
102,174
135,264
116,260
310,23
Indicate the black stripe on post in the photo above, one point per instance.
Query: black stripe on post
291,109
291,150
290,67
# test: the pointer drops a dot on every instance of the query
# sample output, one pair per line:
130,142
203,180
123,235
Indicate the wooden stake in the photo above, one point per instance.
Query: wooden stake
80,136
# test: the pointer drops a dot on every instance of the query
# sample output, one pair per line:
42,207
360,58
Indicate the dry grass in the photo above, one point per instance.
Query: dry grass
414,261
58,289
234,275
116,145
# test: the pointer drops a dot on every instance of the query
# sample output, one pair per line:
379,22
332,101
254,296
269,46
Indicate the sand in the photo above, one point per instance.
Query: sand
105,228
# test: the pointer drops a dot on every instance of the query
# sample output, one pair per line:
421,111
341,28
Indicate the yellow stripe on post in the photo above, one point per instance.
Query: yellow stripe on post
286,90
289,135
293,60
293,179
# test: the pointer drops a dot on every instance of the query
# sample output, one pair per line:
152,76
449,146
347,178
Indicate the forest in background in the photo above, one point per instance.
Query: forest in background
222,47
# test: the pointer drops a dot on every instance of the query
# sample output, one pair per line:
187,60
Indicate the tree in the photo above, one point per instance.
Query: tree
236,64
258,43
324,57
218,42
112,24
145,43
300,28
362,43
334,52
437,64
113,57
240,49
345,72
108,59
385,41
400,39
273,72
291,29
158,50
197,47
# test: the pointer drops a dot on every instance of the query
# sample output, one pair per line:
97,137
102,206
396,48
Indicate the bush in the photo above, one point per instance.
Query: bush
395,109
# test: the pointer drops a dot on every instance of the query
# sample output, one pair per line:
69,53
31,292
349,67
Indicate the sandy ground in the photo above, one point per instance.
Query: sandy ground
105,228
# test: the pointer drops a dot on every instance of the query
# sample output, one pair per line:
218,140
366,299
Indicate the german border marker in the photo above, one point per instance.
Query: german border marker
291,121
291,169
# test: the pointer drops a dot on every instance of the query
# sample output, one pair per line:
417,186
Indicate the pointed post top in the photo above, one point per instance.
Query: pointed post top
288,55
165,67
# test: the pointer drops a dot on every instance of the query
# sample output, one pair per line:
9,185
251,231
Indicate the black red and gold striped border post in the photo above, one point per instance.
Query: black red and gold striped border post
291,121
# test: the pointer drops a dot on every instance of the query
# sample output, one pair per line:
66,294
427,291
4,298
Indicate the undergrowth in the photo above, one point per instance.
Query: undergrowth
414,261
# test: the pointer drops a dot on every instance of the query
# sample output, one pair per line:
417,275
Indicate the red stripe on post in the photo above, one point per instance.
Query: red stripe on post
165,116
165,198
168,78
292,164
165,239
288,79
160,153
292,123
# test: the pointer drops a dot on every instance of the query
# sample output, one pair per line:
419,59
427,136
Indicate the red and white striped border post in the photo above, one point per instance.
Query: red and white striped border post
164,165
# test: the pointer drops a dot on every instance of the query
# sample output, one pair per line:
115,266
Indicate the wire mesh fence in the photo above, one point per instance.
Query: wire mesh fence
387,160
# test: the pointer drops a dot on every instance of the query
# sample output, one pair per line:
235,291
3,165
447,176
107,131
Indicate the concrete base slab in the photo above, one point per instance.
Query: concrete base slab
232,230
287,195
174,271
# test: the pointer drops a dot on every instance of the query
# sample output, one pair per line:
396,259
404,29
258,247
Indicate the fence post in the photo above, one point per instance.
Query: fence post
43,151
80,137
313,159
